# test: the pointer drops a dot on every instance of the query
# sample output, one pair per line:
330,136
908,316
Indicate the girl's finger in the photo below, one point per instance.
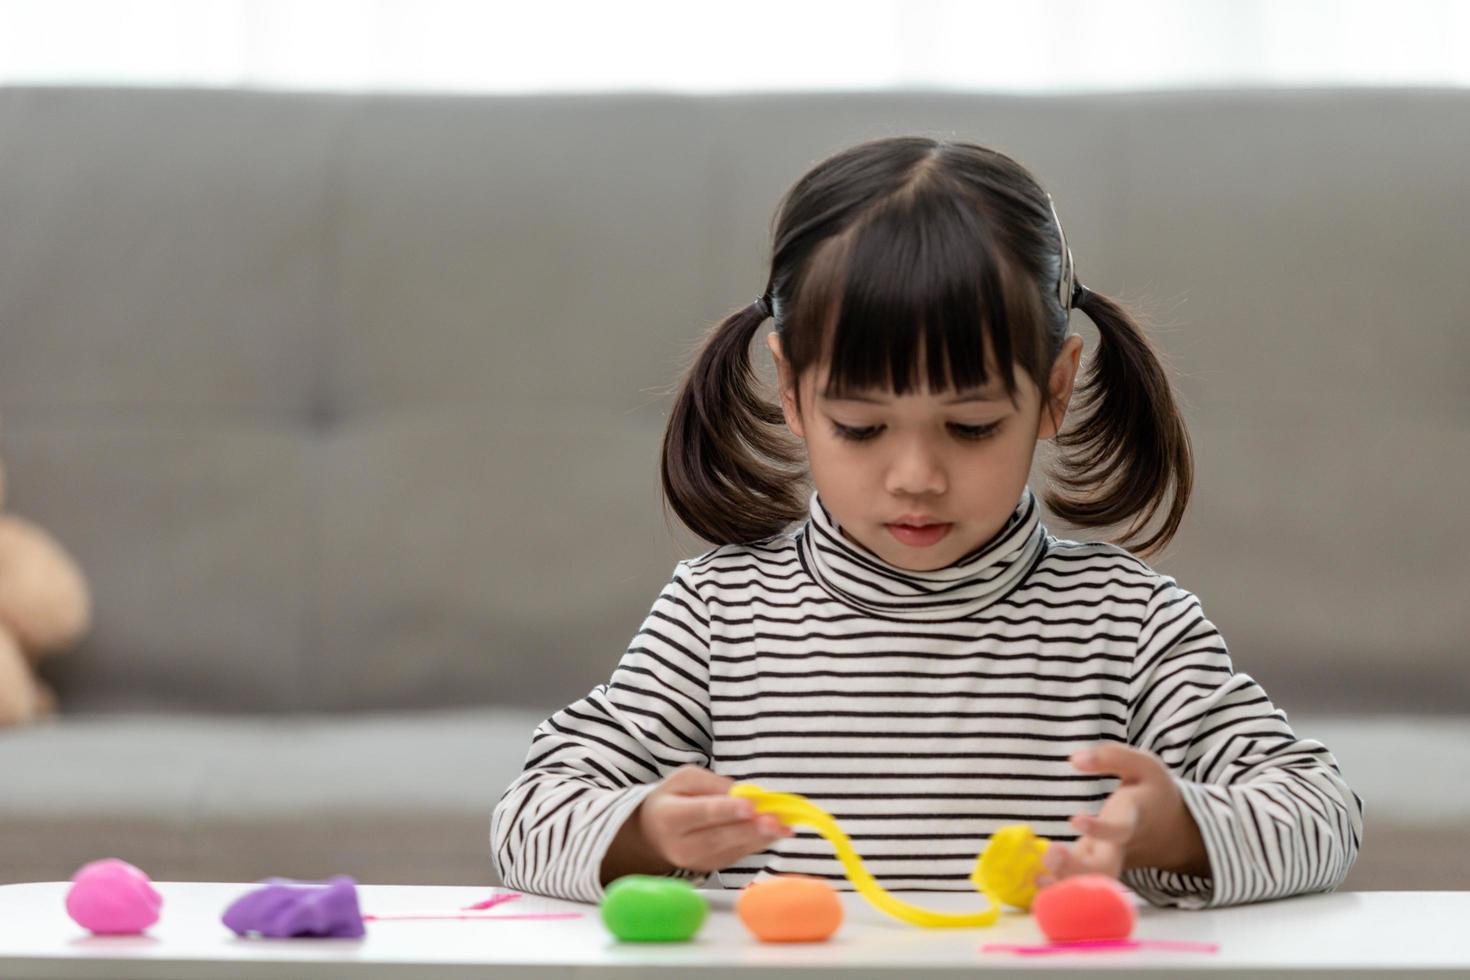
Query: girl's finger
1055,861
773,826
695,813
1113,831
1121,809
1056,864
734,841
1094,856
692,780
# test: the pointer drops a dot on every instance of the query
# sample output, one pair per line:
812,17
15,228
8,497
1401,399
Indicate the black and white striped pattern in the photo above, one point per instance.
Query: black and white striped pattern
859,577
922,728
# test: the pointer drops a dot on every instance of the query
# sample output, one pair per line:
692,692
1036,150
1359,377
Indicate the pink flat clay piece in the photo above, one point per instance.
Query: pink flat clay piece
110,897
1103,946
536,916
493,901
488,903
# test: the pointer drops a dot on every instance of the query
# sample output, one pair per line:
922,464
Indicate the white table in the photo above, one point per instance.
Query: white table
1364,933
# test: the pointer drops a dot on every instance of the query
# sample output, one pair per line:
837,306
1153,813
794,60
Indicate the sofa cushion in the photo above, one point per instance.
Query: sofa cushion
406,797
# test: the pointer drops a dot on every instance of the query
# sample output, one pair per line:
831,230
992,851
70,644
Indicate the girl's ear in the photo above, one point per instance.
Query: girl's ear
1063,376
784,385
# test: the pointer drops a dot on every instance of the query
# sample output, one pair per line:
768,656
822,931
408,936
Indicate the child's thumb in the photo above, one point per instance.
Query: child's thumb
692,780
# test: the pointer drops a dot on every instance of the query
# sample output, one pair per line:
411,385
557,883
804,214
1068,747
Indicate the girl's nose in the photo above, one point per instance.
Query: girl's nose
916,470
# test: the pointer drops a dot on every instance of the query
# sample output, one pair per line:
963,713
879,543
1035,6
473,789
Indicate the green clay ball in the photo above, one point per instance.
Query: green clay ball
651,909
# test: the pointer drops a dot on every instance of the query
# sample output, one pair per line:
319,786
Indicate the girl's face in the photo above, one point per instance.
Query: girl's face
958,458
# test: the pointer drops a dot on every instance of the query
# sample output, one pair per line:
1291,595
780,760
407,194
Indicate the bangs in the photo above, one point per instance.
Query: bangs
920,280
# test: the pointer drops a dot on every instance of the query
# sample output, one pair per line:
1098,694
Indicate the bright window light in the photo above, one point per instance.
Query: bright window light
756,45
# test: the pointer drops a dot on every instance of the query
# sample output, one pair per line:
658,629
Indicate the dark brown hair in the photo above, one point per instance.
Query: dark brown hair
903,244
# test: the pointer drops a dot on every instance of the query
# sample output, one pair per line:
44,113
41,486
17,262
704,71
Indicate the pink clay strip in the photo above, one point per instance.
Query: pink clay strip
482,918
1102,945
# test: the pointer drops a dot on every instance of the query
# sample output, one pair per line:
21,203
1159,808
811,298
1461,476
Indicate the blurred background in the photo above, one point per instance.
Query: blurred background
336,341
1045,46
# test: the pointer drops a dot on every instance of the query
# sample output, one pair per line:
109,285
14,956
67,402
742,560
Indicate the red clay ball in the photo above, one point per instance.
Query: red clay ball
1091,906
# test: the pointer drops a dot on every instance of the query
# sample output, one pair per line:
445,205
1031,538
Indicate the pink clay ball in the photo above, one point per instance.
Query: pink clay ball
1088,906
110,897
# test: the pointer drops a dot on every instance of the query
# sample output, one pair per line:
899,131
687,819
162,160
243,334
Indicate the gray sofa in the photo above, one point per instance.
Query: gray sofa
350,406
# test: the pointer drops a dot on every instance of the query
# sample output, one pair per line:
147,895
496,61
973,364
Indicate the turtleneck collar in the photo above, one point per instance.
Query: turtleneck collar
857,576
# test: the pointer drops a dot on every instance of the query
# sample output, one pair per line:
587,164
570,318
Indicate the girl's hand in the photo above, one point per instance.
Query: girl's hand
692,822
1143,824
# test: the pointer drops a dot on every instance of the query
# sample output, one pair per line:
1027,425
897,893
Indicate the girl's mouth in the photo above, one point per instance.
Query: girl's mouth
918,537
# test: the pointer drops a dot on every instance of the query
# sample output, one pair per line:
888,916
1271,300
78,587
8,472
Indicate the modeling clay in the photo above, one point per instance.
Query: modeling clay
653,909
1086,906
1010,862
790,909
489,903
285,908
1008,875
1103,946
112,898
464,916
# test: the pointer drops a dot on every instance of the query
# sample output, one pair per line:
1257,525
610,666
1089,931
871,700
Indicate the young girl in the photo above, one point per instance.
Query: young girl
919,655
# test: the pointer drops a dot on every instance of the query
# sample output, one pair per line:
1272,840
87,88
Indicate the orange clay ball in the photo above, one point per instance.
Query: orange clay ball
790,909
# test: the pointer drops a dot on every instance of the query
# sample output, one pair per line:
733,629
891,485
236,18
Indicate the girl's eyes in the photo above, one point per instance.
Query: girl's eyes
973,433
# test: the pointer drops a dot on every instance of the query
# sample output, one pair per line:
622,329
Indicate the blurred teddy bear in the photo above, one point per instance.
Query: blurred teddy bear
45,607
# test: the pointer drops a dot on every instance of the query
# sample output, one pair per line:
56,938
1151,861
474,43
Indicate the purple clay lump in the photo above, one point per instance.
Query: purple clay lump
285,909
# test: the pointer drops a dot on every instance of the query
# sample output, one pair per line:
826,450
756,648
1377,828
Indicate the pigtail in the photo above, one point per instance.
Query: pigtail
1131,442
728,471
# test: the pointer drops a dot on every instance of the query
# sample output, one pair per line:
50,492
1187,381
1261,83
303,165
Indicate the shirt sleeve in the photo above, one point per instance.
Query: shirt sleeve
591,763
1275,813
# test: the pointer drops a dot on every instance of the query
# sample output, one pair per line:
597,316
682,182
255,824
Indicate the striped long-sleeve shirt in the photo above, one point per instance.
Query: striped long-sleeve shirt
926,709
